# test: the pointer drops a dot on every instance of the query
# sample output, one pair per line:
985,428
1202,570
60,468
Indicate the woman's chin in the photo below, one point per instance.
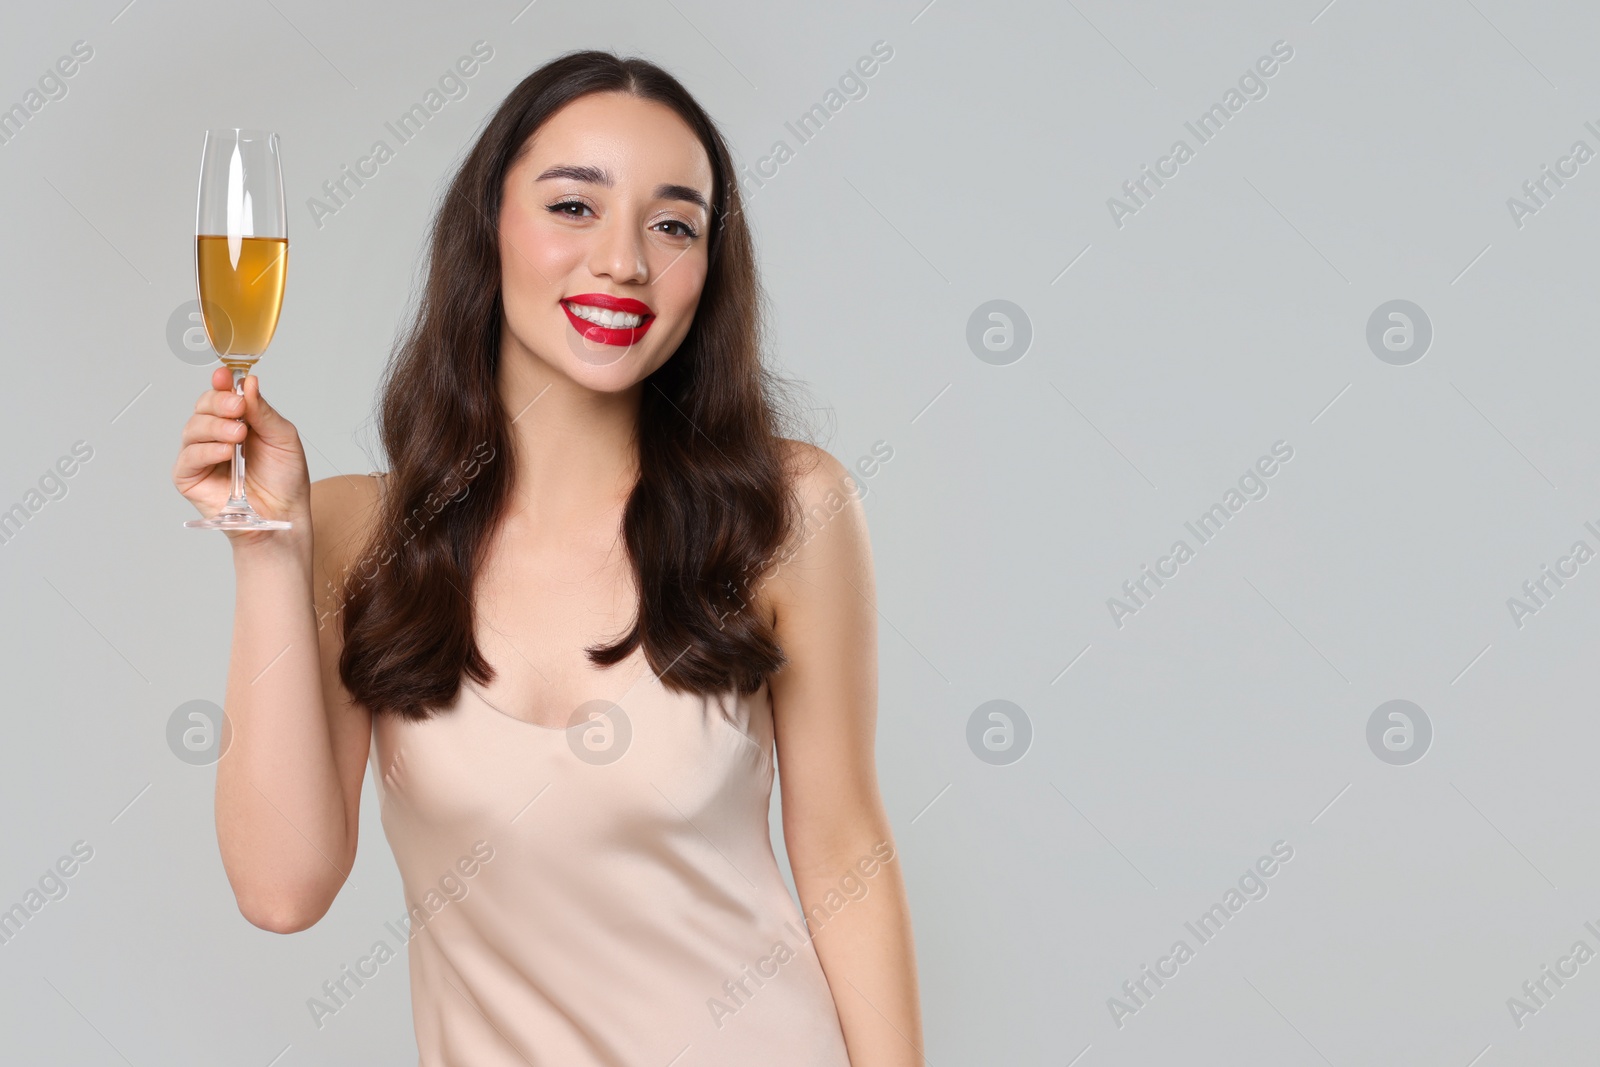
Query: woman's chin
611,370
604,368
599,355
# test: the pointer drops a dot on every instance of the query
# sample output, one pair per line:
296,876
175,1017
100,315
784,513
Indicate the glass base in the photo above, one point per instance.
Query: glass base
232,518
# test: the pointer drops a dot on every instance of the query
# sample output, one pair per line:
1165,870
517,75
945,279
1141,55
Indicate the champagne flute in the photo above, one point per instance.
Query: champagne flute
241,260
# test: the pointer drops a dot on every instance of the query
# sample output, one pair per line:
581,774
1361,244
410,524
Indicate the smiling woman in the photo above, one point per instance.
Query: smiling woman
557,207
560,661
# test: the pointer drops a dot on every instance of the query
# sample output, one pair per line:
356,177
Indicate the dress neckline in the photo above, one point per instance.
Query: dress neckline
642,675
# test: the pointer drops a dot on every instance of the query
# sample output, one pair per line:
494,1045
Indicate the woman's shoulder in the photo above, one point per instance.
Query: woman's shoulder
342,497
344,509
809,466
827,547
827,495
816,475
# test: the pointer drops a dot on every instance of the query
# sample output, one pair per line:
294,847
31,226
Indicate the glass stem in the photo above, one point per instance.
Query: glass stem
236,495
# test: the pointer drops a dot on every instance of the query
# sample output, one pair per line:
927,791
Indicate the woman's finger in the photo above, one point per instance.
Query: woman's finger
213,402
211,428
199,458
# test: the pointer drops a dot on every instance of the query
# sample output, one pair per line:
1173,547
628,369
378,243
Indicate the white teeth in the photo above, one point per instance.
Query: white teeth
616,320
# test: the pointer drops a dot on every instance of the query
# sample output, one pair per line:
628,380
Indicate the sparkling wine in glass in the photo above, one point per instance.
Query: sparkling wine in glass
241,253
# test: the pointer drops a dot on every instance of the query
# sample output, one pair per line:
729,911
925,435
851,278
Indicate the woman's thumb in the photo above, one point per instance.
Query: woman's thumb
257,412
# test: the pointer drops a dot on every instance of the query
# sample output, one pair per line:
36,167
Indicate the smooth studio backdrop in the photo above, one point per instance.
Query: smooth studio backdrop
1340,746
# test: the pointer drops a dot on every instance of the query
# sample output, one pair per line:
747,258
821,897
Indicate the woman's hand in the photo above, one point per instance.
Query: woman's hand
277,482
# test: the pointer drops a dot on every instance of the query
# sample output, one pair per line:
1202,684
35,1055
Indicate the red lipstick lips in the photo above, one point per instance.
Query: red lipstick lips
609,335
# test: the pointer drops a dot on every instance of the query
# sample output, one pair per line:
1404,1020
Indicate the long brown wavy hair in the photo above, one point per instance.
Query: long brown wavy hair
714,500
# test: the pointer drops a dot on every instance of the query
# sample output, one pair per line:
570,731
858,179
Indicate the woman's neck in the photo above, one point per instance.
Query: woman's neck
575,452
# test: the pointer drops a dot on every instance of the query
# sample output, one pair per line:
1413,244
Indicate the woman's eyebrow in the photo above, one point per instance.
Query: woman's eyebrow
600,176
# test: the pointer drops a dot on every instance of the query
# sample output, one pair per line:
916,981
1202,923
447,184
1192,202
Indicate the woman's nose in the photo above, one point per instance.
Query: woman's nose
619,254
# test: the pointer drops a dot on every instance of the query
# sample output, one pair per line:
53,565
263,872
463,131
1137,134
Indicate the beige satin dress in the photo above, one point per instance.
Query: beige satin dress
605,894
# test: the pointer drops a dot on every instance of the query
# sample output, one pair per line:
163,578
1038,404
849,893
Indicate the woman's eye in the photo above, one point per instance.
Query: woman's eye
574,209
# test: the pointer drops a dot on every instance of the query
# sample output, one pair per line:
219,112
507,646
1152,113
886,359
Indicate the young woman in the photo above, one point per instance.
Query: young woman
569,627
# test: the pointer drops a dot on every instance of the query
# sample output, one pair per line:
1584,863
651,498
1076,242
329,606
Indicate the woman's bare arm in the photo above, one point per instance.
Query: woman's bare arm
289,779
289,787
841,850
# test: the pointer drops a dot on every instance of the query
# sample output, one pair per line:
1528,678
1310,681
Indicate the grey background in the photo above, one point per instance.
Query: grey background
1167,754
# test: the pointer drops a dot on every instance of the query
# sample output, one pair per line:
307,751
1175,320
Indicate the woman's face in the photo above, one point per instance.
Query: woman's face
603,229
